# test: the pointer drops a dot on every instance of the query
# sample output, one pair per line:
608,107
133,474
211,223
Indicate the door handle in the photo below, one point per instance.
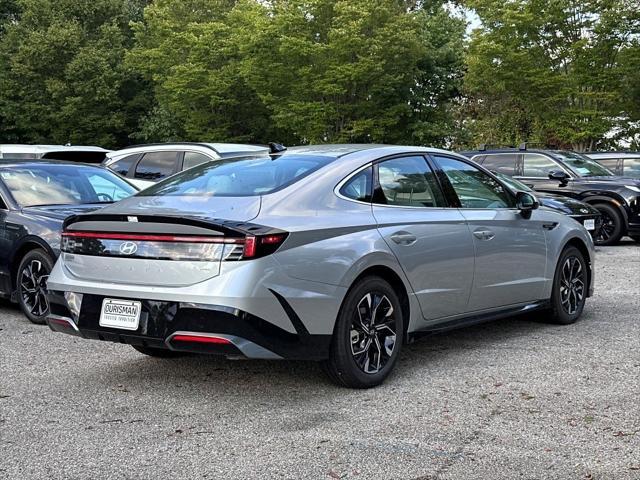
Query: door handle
404,238
484,234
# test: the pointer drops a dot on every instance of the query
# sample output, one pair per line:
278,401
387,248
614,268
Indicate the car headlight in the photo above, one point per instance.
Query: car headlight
632,188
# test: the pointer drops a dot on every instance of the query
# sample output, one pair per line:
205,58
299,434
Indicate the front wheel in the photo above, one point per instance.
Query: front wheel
367,337
31,282
612,225
570,287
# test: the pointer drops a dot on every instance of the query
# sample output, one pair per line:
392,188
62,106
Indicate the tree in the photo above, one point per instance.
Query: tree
356,70
549,70
61,73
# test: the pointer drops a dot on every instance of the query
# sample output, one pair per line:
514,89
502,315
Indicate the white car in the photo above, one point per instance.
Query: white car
144,165
74,153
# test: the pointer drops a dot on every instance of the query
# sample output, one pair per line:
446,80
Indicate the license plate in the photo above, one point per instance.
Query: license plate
123,314
590,224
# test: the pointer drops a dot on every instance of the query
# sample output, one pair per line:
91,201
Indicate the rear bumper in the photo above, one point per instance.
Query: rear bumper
164,324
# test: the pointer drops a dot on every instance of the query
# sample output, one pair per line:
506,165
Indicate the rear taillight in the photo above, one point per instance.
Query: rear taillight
261,245
171,247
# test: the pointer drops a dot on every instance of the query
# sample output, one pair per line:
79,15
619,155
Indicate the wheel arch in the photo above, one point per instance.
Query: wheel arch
617,203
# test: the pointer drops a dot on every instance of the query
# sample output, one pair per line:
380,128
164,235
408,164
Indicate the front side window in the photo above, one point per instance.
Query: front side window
583,166
502,163
239,177
409,182
474,188
156,165
359,186
63,185
538,166
631,167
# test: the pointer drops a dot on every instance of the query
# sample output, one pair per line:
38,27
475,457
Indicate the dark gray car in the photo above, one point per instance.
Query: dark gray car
35,198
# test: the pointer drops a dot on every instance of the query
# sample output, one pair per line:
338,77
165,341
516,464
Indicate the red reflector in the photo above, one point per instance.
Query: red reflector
249,247
200,339
152,238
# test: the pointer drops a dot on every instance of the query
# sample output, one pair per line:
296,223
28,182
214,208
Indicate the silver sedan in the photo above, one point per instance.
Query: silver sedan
336,253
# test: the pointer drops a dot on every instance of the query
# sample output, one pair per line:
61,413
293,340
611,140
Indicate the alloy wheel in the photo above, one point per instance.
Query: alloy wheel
607,229
33,281
373,332
572,285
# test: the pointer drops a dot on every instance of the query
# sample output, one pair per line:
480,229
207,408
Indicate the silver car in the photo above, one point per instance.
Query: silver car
339,254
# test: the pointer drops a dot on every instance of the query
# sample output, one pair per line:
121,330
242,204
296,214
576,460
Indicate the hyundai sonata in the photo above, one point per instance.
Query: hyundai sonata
339,254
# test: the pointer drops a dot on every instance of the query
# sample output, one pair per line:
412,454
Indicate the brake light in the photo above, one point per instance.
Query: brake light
261,245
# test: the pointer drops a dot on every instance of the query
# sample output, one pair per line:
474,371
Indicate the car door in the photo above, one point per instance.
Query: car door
431,242
510,250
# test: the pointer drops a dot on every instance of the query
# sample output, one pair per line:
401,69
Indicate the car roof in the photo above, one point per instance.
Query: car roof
613,154
20,162
340,150
9,148
222,149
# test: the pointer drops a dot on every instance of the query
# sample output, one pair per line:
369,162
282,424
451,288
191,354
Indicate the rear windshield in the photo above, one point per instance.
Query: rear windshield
241,177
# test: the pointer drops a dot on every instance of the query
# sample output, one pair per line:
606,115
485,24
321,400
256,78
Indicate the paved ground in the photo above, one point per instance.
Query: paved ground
511,399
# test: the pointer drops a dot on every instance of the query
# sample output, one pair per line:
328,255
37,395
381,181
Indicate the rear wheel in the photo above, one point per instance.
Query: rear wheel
31,282
367,337
612,225
157,352
570,287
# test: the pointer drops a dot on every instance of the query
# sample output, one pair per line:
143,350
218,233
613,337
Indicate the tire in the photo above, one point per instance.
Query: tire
157,352
31,283
612,225
570,287
360,357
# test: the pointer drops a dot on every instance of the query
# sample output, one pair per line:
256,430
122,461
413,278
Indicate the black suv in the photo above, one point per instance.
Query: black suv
573,175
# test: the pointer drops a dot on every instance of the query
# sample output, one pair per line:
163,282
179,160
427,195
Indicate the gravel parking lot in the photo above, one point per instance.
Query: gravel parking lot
511,399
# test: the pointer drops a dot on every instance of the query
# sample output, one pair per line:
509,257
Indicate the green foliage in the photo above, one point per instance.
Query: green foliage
550,70
61,73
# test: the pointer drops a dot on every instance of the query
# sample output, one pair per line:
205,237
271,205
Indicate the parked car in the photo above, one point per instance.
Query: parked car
626,164
35,197
74,153
144,165
333,253
573,175
582,212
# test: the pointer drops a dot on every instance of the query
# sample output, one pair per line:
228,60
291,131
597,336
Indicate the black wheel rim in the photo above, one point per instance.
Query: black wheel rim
607,228
373,332
33,281
572,285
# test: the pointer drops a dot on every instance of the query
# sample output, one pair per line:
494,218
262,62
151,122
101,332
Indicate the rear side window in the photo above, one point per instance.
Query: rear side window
538,166
122,166
409,182
503,163
239,177
156,165
191,159
359,186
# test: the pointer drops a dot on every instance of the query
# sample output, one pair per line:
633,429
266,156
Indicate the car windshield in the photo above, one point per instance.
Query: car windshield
512,183
582,165
37,185
239,177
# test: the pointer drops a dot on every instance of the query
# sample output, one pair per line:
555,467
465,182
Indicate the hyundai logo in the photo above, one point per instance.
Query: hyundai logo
128,248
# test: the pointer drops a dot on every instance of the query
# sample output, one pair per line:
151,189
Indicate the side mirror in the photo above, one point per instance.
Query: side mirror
559,175
526,203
